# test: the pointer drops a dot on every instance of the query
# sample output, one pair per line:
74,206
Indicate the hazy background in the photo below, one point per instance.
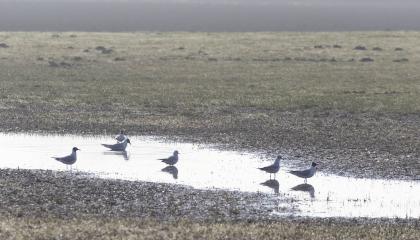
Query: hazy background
209,15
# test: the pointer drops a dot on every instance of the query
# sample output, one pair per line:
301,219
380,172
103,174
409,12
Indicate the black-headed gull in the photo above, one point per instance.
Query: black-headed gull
172,160
307,173
70,159
121,146
273,168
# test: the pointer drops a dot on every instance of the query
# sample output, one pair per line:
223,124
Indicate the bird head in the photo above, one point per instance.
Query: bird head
75,149
176,153
278,159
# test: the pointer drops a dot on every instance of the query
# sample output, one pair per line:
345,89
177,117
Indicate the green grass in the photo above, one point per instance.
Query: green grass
238,89
157,74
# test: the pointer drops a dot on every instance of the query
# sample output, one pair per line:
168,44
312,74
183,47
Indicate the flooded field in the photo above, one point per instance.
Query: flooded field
206,167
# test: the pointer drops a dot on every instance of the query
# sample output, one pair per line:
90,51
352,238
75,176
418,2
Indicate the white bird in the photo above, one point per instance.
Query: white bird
121,146
70,159
120,137
273,168
172,160
308,173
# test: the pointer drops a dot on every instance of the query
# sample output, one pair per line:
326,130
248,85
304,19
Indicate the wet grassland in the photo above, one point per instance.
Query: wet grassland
347,100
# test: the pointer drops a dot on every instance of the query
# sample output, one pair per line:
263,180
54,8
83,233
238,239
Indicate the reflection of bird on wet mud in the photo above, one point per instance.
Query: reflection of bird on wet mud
305,187
171,170
273,168
273,184
124,154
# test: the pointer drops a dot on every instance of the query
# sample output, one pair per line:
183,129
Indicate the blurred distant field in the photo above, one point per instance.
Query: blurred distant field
208,15
311,95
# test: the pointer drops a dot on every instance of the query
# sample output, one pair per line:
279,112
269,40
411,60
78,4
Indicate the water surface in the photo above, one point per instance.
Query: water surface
205,167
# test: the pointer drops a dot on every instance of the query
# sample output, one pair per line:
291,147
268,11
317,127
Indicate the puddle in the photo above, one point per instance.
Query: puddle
205,168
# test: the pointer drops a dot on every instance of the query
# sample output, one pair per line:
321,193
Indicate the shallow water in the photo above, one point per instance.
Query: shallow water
204,167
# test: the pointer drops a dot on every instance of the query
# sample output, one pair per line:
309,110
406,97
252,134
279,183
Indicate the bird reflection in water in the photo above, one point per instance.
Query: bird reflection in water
124,154
273,184
171,170
305,187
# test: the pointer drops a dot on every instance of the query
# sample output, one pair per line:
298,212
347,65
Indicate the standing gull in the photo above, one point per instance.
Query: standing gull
172,160
70,159
118,146
308,173
273,168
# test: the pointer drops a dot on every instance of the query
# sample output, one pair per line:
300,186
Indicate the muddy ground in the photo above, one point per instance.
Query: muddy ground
62,205
314,96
